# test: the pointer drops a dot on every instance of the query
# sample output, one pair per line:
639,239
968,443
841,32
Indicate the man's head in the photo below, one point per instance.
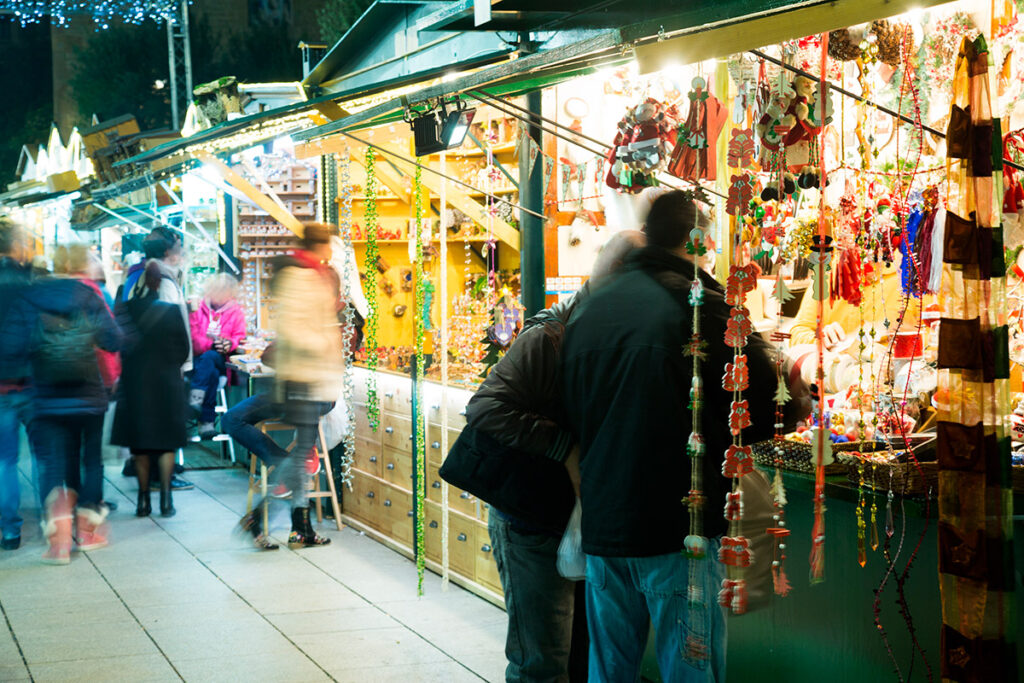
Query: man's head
672,217
613,254
316,239
71,260
12,240
164,245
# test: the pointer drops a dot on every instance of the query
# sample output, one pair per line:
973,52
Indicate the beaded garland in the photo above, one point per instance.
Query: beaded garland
348,323
370,266
418,331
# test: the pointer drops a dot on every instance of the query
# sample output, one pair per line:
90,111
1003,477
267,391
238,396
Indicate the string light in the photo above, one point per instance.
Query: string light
418,325
104,13
372,255
348,324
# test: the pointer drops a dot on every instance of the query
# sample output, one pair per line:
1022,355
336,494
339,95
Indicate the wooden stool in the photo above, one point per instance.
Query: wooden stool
316,494
260,482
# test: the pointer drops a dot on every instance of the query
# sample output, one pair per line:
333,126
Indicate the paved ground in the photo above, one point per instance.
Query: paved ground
185,599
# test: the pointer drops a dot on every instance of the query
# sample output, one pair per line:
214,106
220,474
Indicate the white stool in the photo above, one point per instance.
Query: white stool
220,409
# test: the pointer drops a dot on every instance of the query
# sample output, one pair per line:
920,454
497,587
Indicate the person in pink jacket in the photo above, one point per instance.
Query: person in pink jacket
218,327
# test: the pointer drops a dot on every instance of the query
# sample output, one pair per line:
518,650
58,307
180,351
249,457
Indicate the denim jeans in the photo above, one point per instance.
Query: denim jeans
13,412
206,374
626,594
240,424
64,444
538,601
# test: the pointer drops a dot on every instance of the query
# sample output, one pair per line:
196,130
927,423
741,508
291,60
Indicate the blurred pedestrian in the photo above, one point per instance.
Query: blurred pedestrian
218,327
150,415
308,365
15,378
59,322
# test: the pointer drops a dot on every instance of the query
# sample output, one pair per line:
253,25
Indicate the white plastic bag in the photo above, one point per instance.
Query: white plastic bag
571,562
335,423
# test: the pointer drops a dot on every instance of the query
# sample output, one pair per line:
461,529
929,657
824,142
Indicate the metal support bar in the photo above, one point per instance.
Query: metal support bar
531,224
191,219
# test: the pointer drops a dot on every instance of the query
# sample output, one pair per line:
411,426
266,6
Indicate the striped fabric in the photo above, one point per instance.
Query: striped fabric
975,497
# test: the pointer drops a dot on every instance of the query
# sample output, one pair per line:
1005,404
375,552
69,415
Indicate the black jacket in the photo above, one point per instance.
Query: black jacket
512,451
151,394
65,297
626,385
14,278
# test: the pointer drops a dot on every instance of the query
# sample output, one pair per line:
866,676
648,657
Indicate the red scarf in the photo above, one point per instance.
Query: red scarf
308,260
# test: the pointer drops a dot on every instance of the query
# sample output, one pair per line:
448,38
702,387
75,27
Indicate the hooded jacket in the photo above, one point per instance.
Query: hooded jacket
626,388
14,278
229,318
65,297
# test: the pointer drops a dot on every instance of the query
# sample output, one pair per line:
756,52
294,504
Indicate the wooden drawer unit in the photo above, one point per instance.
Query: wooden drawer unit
362,501
396,431
359,388
486,567
435,453
395,395
367,456
462,545
363,424
396,468
396,517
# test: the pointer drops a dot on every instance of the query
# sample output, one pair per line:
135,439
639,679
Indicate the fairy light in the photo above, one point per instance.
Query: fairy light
418,327
370,267
103,14
348,324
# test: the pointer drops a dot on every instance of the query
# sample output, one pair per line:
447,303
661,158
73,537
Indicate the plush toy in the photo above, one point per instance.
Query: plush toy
642,144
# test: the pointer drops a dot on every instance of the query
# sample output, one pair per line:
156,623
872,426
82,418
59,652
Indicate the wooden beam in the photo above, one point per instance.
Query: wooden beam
331,110
261,200
744,33
338,145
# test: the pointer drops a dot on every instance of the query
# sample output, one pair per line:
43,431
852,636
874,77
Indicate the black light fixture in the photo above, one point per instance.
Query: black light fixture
440,129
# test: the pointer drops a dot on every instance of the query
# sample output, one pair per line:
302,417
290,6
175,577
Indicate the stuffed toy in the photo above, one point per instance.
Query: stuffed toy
642,144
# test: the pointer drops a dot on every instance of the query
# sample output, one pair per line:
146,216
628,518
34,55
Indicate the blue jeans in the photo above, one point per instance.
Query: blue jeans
239,423
13,412
626,594
540,603
206,374
63,445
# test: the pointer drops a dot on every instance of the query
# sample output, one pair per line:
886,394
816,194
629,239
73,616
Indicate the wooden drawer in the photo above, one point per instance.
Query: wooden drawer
396,431
396,520
462,545
363,424
435,452
432,531
434,484
486,567
301,208
362,501
367,456
359,388
457,409
396,468
461,501
395,394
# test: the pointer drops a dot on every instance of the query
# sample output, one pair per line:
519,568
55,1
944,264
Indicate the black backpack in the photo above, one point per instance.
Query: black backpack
64,350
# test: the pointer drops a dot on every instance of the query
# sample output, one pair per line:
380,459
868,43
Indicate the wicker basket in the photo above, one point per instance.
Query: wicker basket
796,456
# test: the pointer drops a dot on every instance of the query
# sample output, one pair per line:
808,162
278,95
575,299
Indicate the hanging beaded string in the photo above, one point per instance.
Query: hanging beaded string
348,328
418,327
370,266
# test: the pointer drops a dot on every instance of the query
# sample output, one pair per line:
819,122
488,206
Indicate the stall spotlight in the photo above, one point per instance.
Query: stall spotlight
438,130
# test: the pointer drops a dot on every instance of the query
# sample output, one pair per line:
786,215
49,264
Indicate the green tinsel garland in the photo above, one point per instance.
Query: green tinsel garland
421,438
372,254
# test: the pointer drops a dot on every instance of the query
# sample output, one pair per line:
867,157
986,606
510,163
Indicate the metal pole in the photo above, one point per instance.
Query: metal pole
531,227
172,73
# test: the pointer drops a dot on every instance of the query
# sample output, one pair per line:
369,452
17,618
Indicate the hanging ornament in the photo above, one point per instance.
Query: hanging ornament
370,267
348,329
694,157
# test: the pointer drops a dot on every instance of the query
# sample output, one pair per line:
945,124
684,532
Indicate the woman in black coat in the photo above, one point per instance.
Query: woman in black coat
150,416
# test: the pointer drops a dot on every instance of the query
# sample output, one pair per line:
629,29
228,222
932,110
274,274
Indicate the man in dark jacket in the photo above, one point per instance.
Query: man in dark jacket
626,384
518,405
14,382
59,322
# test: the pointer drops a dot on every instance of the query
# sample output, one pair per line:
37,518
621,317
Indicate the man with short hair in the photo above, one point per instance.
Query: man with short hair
626,391
15,379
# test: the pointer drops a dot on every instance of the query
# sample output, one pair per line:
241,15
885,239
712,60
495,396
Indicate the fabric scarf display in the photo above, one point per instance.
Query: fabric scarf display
976,577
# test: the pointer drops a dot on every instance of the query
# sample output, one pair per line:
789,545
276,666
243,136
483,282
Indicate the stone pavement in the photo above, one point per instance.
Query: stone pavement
186,599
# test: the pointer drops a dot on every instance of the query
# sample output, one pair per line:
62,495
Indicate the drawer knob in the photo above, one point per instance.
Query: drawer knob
435,445
462,537
371,494
411,437
486,548
391,465
436,485
373,458
433,524
389,430
435,407
409,513
464,495
389,394
387,503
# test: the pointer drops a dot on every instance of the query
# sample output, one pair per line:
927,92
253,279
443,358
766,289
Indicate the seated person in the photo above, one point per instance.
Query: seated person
218,326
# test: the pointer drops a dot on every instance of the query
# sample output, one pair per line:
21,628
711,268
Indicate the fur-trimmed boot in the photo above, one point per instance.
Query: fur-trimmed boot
302,535
60,505
91,528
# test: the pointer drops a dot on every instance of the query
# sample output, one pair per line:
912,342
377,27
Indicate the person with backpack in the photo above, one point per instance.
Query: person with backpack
15,382
58,324
150,418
